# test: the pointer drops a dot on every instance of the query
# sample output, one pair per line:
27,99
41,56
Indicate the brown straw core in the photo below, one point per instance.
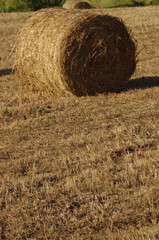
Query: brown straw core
75,52
105,59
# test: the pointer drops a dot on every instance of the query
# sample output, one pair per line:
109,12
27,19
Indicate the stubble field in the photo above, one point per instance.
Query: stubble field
81,168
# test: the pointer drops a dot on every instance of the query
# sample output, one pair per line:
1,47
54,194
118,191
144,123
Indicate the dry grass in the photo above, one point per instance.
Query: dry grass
82,168
84,53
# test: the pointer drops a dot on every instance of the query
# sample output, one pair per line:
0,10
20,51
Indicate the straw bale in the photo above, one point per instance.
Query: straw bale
77,5
67,52
69,3
82,5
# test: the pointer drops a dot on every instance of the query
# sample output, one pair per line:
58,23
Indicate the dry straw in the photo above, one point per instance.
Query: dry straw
77,5
67,52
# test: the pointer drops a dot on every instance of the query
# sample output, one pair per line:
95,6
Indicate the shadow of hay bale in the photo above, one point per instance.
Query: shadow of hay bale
77,52
140,83
143,83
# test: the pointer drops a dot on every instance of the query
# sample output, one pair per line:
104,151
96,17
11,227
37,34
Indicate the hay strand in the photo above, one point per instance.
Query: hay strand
67,52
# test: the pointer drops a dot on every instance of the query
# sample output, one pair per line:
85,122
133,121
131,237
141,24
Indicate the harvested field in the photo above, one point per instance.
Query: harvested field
81,167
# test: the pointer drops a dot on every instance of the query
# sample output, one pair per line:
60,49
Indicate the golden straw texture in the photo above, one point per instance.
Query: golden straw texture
76,52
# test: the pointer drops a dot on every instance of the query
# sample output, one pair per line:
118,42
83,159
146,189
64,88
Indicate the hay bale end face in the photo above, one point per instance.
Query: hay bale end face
67,52
77,5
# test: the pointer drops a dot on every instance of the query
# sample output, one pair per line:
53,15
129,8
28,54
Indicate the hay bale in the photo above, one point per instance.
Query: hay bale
82,5
74,52
69,3
77,5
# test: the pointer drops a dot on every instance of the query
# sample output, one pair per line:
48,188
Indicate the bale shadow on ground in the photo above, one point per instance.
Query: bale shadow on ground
6,71
142,83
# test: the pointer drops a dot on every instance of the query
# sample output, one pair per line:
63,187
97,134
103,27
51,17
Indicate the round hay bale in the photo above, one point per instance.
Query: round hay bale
82,5
77,5
74,52
69,3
